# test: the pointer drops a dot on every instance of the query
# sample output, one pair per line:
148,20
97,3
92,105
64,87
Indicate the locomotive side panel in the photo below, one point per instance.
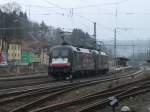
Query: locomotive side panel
106,62
100,66
102,62
83,61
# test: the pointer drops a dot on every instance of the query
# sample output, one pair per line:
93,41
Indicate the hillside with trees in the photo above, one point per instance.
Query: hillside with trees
16,25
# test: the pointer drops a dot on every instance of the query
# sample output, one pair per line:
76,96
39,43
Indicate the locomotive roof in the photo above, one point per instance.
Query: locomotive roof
78,49
103,53
88,50
95,51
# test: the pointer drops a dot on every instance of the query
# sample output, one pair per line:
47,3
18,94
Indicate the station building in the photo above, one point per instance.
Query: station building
121,61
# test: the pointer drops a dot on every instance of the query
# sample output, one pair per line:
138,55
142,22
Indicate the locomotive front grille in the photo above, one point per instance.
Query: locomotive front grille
59,70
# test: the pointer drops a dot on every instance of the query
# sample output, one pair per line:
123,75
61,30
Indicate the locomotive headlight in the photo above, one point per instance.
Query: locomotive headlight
66,59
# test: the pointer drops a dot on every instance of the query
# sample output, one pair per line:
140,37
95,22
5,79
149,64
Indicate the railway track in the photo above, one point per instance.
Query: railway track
23,76
12,82
120,92
19,81
133,91
22,83
47,93
52,83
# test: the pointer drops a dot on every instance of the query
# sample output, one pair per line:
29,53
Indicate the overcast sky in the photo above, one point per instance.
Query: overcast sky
132,21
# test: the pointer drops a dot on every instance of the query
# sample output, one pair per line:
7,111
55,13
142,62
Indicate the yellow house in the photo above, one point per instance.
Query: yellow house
3,45
3,51
14,52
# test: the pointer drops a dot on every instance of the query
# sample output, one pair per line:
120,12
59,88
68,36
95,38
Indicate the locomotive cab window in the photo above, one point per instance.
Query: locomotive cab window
64,52
55,53
60,52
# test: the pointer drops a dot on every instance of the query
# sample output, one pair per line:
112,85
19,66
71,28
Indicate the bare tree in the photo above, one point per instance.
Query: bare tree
11,7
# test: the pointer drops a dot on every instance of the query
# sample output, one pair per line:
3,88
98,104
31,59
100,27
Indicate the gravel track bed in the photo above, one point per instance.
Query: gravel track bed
99,87
88,90
68,96
24,82
139,103
58,83
18,82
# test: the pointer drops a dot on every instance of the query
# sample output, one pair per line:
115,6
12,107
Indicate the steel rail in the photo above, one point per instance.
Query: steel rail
54,94
120,96
21,90
102,94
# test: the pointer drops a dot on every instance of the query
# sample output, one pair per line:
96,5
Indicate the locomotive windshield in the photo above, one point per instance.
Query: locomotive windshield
60,52
64,52
55,53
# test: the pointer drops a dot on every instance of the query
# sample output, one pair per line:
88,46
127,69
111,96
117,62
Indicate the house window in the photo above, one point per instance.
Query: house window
15,46
0,42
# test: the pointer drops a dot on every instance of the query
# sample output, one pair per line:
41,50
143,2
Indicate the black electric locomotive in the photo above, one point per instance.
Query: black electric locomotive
67,60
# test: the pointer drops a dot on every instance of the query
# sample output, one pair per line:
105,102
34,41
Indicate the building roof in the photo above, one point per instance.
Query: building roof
33,46
26,46
13,40
123,58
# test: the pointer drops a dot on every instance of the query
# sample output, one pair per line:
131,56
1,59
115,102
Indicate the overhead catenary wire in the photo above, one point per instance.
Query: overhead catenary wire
88,6
73,12
87,19
65,14
111,28
98,24
85,26
106,27
51,10
62,14
103,4
84,1
41,6
130,13
53,4
90,13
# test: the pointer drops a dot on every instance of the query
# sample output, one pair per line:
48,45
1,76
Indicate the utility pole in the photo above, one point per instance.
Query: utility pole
115,36
149,50
133,51
95,33
29,10
115,47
